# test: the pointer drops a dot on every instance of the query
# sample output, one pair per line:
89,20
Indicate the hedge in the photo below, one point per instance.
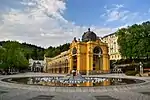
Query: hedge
131,73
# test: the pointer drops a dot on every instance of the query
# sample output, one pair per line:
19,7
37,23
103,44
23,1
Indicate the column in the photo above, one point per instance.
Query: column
79,62
57,70
89,55
105,63
89,63
70,67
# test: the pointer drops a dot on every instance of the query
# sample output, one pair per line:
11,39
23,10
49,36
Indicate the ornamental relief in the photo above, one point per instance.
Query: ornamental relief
90,49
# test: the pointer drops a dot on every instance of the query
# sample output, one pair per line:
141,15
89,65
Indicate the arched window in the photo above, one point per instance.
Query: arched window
56,64
74,51
97,54
66,62
59,64
97,50
66,66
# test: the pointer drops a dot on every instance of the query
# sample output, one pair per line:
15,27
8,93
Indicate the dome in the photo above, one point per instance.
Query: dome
89,36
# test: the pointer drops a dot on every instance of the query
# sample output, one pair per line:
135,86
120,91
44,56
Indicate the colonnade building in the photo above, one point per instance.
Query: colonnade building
88,56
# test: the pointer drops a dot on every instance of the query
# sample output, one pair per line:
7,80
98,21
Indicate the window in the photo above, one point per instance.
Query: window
74,67
74,51
93,68
97,50
93,65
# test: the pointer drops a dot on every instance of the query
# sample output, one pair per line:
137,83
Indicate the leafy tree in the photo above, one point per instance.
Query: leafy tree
122,40
134,41
13,57
2,52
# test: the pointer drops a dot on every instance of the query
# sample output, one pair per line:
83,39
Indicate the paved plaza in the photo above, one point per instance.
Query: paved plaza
10,91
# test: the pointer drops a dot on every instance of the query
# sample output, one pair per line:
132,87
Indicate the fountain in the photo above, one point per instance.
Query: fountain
73,78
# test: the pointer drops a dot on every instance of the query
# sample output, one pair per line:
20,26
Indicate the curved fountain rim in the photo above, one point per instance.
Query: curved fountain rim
72,89
91,76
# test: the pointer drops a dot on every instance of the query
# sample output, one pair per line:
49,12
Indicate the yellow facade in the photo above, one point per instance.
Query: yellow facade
58,64
88,56
84,57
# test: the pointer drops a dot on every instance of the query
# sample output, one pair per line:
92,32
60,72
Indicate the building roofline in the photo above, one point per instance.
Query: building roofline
62,53
108,35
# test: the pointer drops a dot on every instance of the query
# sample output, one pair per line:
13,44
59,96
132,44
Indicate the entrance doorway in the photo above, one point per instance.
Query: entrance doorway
97,55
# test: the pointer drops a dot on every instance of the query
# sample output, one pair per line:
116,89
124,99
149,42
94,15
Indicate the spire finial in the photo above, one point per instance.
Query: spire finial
89,29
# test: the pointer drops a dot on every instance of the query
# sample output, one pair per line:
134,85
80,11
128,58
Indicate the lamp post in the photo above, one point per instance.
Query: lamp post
74,73
99,55
141,68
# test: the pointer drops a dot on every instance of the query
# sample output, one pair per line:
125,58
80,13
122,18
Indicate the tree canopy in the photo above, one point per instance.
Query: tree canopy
12,56
29,50
134,41
54,51
16,55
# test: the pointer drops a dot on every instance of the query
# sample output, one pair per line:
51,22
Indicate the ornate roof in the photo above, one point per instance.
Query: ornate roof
89,36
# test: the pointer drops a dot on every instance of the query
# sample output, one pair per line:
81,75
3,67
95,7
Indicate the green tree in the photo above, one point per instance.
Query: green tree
122,41
134,41
14,58
54,51
2,56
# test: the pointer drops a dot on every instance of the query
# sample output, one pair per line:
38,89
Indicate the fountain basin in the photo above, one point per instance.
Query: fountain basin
65,82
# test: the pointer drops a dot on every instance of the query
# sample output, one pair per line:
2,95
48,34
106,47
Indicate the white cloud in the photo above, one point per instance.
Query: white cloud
123,26
120,14
42,23
123,17
130,24
115,13
118,6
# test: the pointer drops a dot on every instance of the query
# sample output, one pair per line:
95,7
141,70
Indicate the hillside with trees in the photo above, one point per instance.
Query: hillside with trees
54,51
15,55
29,50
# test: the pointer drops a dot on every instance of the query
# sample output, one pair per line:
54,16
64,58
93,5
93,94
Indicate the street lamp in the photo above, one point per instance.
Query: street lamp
99,55
141,68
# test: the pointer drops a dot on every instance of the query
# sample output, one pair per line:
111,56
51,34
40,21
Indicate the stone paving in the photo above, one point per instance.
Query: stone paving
126,92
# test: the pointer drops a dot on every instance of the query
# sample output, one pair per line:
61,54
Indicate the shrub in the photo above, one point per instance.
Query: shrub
131,73
147,65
